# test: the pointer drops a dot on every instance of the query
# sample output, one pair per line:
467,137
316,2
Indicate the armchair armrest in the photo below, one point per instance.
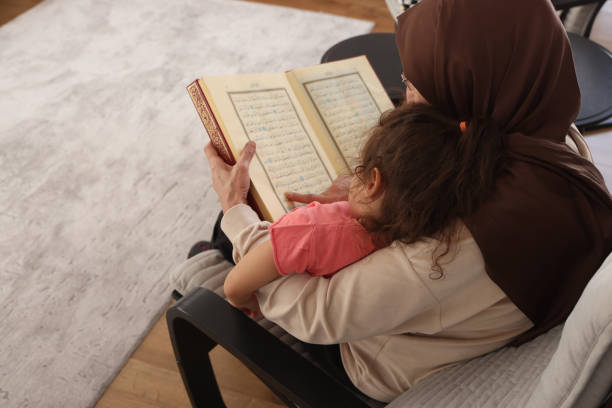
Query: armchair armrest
201,320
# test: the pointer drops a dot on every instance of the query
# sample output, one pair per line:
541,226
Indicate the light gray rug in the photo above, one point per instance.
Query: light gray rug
103,182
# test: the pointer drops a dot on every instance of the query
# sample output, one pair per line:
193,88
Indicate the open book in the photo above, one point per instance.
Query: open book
309,124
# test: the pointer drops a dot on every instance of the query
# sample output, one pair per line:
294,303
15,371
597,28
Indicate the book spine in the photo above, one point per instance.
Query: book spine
214,132
210,122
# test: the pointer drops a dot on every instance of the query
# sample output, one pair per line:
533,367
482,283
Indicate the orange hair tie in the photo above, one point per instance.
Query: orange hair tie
462,126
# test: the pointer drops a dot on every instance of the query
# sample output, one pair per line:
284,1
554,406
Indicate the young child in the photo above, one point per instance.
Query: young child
403,189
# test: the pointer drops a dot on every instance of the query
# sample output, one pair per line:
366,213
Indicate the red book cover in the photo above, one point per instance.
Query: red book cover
214,132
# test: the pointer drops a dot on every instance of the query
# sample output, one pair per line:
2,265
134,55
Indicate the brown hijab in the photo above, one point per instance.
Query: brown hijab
547,225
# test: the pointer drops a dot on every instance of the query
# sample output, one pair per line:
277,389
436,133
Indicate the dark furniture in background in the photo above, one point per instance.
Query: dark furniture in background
588,10
587,58
594,71
383,56
592,61
577,15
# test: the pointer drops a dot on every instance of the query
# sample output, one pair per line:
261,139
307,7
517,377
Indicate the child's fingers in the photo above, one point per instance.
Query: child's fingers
302,198
248,312
290,202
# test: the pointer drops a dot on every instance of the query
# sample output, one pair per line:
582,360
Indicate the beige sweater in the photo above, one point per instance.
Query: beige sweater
395,322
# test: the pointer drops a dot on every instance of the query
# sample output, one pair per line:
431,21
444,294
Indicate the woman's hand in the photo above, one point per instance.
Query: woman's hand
230,182
338,191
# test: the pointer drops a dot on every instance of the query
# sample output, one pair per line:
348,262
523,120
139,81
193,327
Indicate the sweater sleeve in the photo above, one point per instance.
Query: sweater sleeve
350,305
377,295
244,229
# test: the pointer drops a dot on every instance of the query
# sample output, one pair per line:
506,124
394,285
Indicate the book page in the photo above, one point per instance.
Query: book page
346,100
288,157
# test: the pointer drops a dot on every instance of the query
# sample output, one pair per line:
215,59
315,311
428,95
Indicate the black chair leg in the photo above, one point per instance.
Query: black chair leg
191,348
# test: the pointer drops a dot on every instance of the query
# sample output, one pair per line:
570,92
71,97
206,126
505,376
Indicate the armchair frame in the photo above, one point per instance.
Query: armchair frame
201,320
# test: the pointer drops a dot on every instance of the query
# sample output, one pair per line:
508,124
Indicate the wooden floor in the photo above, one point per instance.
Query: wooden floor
150,378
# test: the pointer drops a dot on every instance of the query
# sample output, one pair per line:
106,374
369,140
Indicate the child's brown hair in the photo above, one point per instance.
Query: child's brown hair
433,173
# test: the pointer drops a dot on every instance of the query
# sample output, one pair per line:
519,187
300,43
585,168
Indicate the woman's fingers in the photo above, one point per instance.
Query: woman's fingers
240,173
214,160
231,183
210,152
247,155
243,161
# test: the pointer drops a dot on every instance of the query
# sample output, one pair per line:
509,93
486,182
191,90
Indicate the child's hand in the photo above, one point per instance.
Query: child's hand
338,191
250,307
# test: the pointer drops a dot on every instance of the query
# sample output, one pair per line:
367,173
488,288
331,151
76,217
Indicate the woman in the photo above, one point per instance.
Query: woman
524,254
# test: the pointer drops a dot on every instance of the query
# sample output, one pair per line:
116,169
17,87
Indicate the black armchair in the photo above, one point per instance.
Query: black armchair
201,320
567,366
